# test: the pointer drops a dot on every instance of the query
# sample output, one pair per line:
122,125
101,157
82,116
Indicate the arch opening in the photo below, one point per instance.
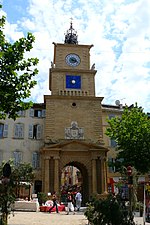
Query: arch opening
74,176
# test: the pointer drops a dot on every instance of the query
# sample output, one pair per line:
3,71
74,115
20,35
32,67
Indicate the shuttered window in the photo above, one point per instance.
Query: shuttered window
39,131
19,130
17,155
3,130
35,131
35,160
21,113
37,113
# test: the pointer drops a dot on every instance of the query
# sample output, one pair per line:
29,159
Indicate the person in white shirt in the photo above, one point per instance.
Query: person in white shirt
78,199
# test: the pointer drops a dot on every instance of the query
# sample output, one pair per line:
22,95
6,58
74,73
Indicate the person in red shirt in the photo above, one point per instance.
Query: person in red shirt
70,203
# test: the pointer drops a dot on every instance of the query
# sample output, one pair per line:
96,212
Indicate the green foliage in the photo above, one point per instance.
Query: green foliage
9,188
89,213
16,74
7,197
109,211
21,172
132,134
42,197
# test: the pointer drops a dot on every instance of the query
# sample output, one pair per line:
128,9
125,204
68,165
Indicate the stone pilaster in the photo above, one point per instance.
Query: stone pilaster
94,181
103,174
46,176
56,174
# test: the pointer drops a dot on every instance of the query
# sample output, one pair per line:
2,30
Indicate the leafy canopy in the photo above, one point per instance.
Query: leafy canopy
16,73
131,132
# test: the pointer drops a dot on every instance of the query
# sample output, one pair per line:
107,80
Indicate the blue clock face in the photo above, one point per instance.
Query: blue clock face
73,60
73,82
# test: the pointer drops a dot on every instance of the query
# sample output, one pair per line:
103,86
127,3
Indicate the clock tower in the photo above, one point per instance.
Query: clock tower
73,125
71,73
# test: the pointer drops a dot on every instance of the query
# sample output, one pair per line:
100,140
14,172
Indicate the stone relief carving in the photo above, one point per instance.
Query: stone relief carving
74,132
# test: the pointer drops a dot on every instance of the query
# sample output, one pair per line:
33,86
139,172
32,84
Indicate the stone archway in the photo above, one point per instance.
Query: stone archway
85,182
88,157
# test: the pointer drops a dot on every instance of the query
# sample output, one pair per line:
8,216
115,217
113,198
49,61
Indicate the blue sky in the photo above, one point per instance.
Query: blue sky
118,29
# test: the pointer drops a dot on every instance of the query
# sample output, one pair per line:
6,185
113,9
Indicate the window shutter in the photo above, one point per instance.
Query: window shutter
5,131
35,160
31,112
16,131
38,160
21,130
17,157
39,131
43,113
30,134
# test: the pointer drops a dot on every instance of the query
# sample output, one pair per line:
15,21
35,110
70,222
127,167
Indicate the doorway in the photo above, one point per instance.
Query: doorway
73,177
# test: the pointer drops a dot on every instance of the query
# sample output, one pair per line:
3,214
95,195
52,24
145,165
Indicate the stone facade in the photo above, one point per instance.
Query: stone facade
67,129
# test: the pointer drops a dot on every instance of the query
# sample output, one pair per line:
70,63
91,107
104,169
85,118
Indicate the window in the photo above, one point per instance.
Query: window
3,130
35,131
35,160
17,155
18,130
113,143
40,113
111,166
21,113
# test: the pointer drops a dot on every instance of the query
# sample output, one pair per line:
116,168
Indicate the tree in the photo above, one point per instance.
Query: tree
111,210
16,73
131,132
10,184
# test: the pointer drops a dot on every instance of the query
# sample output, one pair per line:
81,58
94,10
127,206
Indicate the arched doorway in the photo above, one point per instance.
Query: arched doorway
74,176
88,158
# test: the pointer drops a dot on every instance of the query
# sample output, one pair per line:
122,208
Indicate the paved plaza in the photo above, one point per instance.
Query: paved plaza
42,218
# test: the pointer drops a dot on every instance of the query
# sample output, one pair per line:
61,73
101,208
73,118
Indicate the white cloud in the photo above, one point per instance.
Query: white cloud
119,31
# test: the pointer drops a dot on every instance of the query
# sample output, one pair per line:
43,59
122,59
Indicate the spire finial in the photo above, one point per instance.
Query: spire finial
71,35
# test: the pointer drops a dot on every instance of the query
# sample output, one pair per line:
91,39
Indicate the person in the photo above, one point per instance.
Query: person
54,199
70,206
78,199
